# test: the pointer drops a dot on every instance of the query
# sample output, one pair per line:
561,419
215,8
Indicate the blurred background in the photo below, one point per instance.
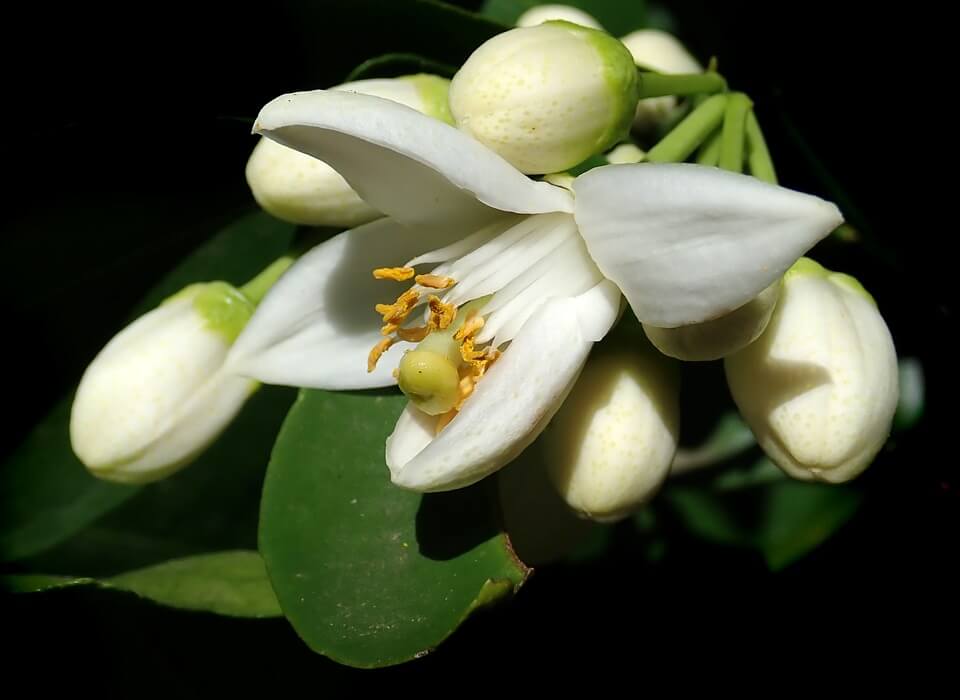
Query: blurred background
127,134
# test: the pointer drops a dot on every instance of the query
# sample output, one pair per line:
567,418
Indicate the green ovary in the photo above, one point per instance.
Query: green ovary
430,380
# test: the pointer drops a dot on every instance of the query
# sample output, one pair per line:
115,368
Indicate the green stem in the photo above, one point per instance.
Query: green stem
257,288
734,130
676,146
758,156
709,153
659,84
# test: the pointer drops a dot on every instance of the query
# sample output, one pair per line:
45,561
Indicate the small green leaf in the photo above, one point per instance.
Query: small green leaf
392,65
227,583
757,506
730,437
800,517
369,574
46,495
912,393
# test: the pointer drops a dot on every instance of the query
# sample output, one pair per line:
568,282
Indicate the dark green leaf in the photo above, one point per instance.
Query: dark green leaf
760,508
392,65
212,505
45,493
367,573
730,437
227,583
912,394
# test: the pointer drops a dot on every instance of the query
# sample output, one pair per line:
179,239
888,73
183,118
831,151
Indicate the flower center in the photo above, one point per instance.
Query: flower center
478,295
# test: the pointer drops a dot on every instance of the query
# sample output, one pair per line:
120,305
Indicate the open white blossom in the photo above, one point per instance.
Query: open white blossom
543,268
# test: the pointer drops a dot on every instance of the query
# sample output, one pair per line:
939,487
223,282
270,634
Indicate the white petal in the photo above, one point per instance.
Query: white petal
511,404
317,325
687,243
407,165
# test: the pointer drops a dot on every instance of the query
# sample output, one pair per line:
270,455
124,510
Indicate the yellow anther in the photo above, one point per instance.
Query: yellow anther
441,315
435,281
377,351
399,274
468,353
398,311
465,387
469,328
413,335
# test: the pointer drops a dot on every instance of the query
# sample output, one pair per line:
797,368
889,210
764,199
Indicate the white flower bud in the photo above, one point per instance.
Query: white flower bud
546,97
661,52
718,337
610,446
538,14
155,396
819,387
300,189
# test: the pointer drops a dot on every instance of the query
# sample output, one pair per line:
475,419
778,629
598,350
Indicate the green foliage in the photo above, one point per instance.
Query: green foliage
367,573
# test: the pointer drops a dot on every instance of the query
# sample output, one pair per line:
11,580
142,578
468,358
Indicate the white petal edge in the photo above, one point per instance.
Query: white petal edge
511,404
688,243
317,324
403,163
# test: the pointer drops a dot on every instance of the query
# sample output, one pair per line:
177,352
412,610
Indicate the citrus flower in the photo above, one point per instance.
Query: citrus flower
504,281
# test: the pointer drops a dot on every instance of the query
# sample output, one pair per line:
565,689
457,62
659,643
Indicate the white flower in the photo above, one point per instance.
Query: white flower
303,190
682,243
156,395
819,387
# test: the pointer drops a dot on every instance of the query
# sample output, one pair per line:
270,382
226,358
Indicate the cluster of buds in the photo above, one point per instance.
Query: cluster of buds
809,360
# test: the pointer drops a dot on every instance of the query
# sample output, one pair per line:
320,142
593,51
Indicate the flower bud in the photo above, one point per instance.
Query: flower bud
718,337
300,189
546,97
155,396
658,51
538,14
610,446
819,387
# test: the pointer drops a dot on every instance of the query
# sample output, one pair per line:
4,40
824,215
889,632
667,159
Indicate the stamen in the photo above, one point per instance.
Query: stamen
413,335
441,315
473,324
435,281
377,352
398,311
466,386
398,274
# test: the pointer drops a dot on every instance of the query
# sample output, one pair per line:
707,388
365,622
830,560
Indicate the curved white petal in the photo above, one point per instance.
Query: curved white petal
407,165
317,324
688,243
512,402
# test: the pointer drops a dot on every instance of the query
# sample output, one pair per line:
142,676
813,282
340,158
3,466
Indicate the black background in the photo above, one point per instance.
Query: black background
124,146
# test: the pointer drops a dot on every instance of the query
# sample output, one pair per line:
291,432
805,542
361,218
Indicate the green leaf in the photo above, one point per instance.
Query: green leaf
227,583
800,517
392,65
618,17
912,394
46,495
760,508
369,574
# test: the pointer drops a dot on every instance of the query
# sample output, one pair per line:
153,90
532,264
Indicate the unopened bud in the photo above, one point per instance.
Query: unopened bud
819,387
300,189
610,446
546,97
155,396
719,337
